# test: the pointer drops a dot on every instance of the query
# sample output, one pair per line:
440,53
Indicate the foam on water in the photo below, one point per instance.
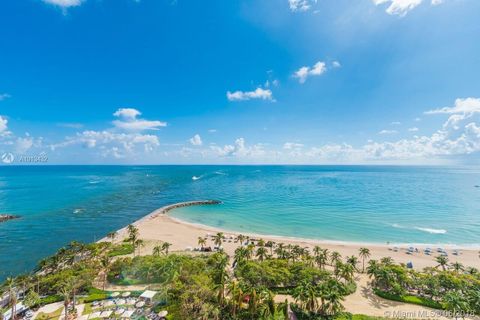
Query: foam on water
431,230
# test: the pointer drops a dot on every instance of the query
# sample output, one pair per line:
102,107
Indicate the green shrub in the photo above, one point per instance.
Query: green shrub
409,299
349,316
121,250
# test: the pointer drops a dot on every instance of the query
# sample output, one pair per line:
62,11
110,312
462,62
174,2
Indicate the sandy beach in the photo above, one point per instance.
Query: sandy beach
159,226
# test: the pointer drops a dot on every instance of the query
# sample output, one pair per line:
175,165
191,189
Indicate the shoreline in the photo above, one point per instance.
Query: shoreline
159,226
166,209
326,241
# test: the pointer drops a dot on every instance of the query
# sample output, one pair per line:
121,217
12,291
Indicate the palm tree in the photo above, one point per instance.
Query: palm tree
137,245
321,258
112,235
132,232
241,254
333,302
335,257
261,253
64,289
353,261
455,302
12,295
202,241
457,267
373,267
296,252
133,236
105,263
317,250
157,250
270,244
364,253
240,238
280,251
236,296
267,304
442,262
388,261
218,239
347,272
166,246
221,277
306,294
261,243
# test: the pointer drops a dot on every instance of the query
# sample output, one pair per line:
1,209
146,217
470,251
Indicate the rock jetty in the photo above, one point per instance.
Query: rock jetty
6,217
166,209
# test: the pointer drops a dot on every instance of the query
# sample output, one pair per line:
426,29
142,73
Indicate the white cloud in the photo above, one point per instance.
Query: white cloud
127,113
336,64
300,5
388,131
304,72
110,143
413,129
4,96
436,2
23,144
402,7
212,130
113,143
239,149
129,121
292,145
395,123
463,106
65,3
3,125
196,140
459,135
259,93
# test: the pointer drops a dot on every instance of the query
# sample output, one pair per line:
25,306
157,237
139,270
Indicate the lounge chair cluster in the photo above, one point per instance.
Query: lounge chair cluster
427,251
121,305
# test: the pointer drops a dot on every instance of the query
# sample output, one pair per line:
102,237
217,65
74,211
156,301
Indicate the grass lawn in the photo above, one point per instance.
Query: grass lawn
55,315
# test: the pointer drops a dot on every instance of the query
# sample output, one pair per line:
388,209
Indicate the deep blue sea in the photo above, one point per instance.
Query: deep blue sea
375,204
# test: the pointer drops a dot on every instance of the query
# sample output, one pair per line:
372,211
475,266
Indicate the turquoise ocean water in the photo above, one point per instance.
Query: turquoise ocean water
342,203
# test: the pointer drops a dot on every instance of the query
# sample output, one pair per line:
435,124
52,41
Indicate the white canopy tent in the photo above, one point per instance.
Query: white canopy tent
148,295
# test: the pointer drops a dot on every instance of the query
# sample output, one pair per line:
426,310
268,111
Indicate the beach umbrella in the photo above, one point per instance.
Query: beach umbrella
140,304
163,314
115,294
126,294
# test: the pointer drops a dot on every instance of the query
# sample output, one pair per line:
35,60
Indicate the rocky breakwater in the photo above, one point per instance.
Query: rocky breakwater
6,217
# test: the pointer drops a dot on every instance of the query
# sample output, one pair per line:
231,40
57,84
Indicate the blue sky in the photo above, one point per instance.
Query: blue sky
279,81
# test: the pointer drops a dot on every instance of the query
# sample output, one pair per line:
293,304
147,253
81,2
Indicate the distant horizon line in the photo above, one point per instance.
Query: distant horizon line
238,165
